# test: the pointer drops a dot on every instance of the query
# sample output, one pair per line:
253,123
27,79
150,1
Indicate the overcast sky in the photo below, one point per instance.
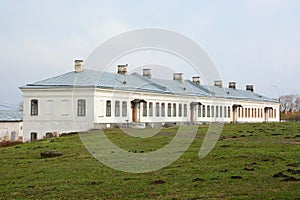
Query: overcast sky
255,41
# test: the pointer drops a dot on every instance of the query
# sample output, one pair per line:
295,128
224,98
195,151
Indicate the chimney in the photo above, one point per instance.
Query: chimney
249,88
219,83
147,73
232,85
78,66
196,79
178,77
122,69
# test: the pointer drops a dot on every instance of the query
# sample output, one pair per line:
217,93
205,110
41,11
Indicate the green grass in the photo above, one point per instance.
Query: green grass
255,152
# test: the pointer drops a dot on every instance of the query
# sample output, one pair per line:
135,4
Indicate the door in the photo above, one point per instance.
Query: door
134,112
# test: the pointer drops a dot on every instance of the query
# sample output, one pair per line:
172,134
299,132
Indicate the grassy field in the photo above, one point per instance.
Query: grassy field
250,161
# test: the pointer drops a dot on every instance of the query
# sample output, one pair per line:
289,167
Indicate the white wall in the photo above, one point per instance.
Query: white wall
7,129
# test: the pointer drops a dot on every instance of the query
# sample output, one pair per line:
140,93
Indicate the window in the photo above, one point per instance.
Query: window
157,109
163,109
108,108
169,109
150,109
174,110
221,111
33,136
229,112
203,110
34,107
81,107
13,135
185,110
208,111
217,111
225,112
242,112
246,114
180,110
117,108
274,113
124,108
199,110
145,109
212,111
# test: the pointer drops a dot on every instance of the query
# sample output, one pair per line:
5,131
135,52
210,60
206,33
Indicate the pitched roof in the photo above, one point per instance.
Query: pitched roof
136,82
10,115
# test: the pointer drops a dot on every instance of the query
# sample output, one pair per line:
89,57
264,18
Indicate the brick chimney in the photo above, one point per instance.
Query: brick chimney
219,83
250,88
122,69
196,79
78,66
232,85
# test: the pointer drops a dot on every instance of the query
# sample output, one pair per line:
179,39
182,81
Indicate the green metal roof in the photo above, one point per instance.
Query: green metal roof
10,115
136,82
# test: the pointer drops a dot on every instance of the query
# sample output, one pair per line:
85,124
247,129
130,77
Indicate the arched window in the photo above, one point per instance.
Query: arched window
185,110
81,107
180,110
174,110
13,135
145,109
34,107
117,108
150,109
108,108
33,136
169,109
157,109
163,109
208,110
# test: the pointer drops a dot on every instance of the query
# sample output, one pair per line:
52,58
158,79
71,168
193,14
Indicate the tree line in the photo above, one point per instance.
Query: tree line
290,103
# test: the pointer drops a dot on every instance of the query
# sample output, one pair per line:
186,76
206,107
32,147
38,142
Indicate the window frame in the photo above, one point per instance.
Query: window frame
81,107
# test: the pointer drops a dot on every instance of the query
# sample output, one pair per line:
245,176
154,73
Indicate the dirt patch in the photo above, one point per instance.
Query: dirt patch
236,177
9,143
156,182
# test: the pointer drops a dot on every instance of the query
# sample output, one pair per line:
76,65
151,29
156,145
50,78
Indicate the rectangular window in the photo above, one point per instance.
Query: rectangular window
217,111
157,109
274,113
124,108
145,109
203,110
185,110
34,107
180,110
174,110
199,110
221,111
169,109
81,107
229,111
117,108
248,112
212,111
225,112
150,109
108,108
208,111
246,115
163,109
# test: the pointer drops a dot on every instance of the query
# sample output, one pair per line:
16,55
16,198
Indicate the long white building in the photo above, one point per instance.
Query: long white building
85,99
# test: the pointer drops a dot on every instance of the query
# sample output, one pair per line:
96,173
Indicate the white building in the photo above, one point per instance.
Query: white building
11,125
86,99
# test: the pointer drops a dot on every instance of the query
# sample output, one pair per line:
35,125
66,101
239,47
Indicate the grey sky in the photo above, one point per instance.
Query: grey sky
255,41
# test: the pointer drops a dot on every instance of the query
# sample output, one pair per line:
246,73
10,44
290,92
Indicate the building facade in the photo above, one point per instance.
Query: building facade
85,99
11,125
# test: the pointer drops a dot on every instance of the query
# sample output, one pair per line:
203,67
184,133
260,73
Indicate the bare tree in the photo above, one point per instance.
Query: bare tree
290,103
